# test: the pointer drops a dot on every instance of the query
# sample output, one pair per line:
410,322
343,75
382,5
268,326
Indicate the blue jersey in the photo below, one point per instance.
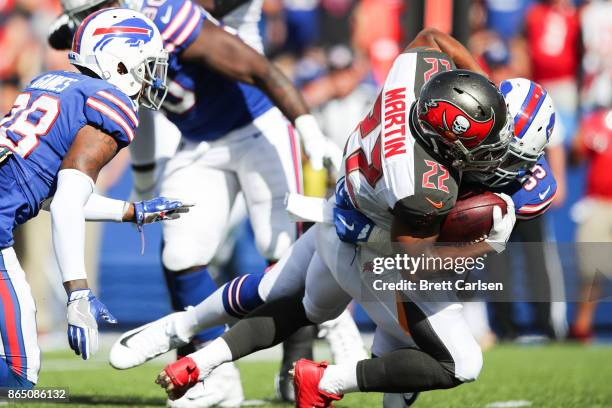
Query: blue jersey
533,197
203,104
39,130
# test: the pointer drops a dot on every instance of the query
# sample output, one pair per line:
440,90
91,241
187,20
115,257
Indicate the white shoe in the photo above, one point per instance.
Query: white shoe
344,339
140,345
220,388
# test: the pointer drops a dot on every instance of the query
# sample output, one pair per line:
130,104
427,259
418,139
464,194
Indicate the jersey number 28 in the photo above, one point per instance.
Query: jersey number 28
22,123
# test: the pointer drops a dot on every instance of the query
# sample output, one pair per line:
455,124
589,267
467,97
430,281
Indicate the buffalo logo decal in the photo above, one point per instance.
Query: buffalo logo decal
133,31
453,123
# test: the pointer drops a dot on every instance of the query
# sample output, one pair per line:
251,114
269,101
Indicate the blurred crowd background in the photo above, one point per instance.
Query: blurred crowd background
338,52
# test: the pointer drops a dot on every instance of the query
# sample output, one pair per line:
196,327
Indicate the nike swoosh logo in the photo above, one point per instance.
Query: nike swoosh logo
544,193
124,340
166,18
437,205
350,227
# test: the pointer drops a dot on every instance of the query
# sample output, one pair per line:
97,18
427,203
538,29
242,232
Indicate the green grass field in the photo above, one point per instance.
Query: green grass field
547,376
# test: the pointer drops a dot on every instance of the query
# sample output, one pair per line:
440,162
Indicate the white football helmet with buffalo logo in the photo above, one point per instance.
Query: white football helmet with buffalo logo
125,48
533,114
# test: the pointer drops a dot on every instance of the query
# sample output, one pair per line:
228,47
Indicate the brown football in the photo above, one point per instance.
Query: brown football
471,218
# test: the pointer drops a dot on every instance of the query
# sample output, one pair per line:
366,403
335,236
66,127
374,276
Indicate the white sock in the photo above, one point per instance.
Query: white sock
340,379
210,357
210,312
185,324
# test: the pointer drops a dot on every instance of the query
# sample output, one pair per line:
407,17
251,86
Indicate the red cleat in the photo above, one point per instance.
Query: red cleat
584,336
177,378
306,377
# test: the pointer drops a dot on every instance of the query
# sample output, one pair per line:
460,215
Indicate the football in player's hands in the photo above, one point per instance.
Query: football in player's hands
471,218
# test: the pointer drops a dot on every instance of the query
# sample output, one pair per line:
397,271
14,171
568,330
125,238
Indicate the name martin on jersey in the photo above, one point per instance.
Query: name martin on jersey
395,122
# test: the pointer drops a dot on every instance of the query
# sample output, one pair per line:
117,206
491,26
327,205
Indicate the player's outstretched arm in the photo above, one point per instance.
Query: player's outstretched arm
228,55
461,56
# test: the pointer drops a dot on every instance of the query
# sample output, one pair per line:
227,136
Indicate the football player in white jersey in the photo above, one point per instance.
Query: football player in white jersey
459,124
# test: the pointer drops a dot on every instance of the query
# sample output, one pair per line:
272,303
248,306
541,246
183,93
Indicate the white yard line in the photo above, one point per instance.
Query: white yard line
509,404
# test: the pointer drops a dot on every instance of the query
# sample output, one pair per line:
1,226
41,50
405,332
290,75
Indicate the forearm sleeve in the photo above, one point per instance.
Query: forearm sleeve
101,208
68,222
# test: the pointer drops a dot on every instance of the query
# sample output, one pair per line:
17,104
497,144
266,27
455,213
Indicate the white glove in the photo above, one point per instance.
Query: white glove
316,146
502,225
84,313
144,184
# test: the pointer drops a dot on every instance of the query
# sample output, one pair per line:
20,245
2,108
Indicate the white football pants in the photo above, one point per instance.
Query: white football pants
262,160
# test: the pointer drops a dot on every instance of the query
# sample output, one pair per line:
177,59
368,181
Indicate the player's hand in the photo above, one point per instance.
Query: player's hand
159,209
144,184
84,314
317,147
502,225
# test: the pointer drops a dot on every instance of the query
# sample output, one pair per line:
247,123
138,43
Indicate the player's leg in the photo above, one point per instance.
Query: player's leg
447,356
242,295
20,355
447,353
268,325
499,269
191,242
231,301
382,344
280,316
194,174
544,276
269,169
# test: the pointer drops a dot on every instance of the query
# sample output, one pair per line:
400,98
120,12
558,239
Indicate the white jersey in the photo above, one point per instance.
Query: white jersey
389,171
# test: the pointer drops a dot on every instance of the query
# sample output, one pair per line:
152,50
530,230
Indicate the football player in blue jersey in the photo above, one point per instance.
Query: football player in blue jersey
231,107
62,129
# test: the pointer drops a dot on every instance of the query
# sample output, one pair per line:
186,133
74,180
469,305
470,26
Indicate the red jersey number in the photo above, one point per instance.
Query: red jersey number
435,66
435,170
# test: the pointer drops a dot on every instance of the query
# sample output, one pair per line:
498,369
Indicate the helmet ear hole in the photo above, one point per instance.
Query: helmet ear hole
121,69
